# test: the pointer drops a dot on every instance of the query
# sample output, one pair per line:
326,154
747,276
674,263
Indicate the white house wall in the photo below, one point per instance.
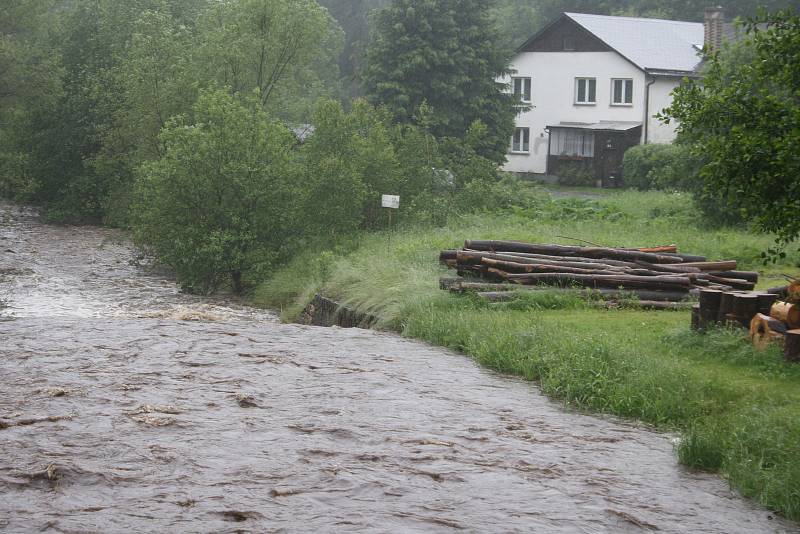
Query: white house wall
553,98
660,98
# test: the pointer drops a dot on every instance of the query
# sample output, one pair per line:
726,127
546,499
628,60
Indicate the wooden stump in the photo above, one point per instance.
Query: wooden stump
709,306
745,306
698,324
725,306
765,302
791,348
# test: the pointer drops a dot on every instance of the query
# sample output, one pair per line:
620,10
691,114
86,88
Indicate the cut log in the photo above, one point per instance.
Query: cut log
449,283
729,265
765,330
672,283
788,313
750,276
470,257
686,258
791,347
765,302
446,255
672,249
780,291
697,320
745,306
709,306
514,267
737,284
567,251
725,306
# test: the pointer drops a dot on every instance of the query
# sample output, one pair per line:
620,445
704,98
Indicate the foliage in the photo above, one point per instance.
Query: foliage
220,203
575,173
744,120
445,53
666,167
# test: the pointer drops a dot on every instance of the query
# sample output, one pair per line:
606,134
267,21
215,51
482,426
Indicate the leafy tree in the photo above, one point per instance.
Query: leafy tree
219,205
448,54
286,49
743,119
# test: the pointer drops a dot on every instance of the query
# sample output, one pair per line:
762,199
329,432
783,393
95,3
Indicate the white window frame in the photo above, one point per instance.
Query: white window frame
524,80
585,101
518,144
627,83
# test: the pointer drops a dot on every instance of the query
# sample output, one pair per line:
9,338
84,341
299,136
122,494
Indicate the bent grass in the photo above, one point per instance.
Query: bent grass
737,410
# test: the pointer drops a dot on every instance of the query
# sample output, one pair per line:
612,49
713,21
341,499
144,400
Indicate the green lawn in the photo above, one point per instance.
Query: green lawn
737,410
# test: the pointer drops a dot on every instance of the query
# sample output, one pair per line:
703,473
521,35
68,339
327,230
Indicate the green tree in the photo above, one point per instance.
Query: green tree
448,54
220,204
743,119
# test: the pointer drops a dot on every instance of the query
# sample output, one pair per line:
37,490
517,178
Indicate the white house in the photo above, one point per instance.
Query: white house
594,84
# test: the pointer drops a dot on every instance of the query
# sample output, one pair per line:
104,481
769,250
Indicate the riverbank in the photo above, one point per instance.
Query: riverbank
735,409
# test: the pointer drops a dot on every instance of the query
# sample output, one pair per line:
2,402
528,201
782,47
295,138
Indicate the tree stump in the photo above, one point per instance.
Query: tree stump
765,302
765,330
791,348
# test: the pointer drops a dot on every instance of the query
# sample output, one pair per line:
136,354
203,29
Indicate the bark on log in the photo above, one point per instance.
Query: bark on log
728,265
764,330
788,313
725,306
750,276
470,257
514,267
765,302
791,347
672,249
780,291
698,323
567,251
446,255
737,284
687,258
745,306
673,283
449,283
709,306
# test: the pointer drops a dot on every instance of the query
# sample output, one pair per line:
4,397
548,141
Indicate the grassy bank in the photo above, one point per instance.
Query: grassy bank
736,409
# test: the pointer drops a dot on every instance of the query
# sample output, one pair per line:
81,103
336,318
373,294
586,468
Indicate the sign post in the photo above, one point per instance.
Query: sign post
390,202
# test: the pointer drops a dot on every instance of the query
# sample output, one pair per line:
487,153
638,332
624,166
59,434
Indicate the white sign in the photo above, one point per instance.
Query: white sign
390,201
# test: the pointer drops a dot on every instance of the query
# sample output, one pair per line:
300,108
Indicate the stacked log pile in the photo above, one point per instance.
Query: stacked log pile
653,275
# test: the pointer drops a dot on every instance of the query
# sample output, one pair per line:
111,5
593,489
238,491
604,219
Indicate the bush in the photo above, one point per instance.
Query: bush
665,167
574,173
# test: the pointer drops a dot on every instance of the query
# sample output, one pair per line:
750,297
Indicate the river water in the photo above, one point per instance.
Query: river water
126,406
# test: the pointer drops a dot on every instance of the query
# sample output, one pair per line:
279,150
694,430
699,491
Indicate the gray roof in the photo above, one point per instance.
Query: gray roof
665,45
603,126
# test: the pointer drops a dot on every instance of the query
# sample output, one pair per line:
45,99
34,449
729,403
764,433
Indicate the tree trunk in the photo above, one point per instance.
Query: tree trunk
236,279
567,251
709,306
745,306
666,283
725,307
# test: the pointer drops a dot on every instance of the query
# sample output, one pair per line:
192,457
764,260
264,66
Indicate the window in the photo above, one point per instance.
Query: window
621,92
574,143
522,89
569,44
585,90
522,141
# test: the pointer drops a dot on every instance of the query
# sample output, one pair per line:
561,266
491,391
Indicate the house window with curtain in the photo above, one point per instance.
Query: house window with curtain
586,91
622,92
572,143
521,144
522,89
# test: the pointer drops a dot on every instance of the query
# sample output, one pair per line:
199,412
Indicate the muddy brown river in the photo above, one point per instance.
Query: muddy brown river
126,406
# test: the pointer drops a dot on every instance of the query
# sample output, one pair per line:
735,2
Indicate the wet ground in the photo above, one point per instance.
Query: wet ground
128,407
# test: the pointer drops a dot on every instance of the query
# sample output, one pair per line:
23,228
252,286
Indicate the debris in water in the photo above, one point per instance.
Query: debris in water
157,408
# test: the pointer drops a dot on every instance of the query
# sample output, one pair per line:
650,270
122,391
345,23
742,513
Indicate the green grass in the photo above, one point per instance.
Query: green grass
737,410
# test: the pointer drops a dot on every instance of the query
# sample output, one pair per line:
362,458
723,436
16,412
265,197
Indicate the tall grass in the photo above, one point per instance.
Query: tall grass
736,409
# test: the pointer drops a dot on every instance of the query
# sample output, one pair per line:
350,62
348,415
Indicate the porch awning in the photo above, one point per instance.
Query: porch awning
602,126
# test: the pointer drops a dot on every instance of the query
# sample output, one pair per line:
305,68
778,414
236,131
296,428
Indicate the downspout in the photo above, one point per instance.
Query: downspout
547,157
646,123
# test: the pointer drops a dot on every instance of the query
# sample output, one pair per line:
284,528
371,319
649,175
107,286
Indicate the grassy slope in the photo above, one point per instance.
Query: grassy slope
737,409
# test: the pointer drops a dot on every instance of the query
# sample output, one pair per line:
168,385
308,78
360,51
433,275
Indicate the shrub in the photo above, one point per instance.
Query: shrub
574,173
666,167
